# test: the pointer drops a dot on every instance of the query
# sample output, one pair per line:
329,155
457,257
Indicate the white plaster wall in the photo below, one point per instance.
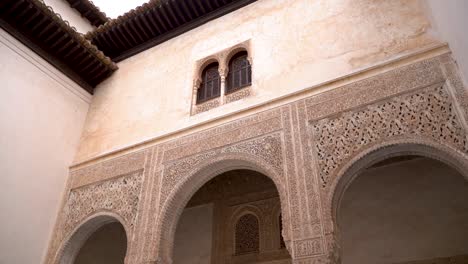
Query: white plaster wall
415,210
71,15
41,117
296,44
450,20
192,243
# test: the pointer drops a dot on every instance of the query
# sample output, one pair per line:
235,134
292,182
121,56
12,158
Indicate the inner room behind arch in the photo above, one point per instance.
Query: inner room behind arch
233,218
405,210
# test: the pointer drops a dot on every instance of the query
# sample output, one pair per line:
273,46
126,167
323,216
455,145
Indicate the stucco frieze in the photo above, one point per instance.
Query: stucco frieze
108,169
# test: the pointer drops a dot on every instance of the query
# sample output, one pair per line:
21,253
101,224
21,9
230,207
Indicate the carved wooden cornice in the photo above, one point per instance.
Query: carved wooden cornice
155,22
41,29
90,11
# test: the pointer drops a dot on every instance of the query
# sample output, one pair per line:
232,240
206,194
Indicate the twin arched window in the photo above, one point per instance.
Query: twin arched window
239,76
211,83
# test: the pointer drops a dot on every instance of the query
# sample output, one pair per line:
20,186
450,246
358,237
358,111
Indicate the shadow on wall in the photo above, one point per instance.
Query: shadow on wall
413,209
108,245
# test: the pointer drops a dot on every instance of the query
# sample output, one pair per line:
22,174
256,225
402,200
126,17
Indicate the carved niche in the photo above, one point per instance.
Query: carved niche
247,234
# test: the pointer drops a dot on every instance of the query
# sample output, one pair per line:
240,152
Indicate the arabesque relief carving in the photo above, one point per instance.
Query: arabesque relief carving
304,143
119,195
426,113
267,148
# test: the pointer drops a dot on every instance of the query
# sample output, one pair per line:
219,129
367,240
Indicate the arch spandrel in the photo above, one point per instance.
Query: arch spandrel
421,121
426,114
94,205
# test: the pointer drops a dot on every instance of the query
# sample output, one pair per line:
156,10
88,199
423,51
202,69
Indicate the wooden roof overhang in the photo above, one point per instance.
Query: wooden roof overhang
38,27
156,22
90,11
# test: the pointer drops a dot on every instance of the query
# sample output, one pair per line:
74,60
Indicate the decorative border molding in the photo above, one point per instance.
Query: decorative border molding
123,165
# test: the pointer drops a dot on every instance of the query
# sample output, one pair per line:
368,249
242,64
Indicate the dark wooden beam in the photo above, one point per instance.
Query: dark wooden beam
193,7
43,31
148,26
168,34
186,10
129,33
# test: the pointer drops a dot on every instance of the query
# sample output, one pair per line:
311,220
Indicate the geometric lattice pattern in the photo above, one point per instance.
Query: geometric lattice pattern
428,113
247,235
119,195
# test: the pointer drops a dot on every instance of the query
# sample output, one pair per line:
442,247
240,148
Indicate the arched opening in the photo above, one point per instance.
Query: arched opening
240,72
403,206
107,245
210,86
230,219
101,239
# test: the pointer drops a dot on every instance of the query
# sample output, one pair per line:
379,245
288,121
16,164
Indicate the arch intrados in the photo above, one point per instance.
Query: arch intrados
244,210
204,65
183,192
87,227
234,52
374,155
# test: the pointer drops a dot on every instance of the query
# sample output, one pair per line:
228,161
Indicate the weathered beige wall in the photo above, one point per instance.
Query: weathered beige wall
296,44
450,19
41,117
414,210
108,245
192,242
71,15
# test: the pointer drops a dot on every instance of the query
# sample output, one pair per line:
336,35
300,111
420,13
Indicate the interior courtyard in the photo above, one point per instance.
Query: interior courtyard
234,132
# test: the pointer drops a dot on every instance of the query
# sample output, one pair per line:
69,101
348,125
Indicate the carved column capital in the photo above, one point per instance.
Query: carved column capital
196,83
223,72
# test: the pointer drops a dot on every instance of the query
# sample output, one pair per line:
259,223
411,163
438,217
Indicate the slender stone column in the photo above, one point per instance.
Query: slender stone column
223,74
196,86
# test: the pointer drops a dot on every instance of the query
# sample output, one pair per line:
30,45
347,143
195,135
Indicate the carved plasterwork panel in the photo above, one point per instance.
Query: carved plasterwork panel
427,113
308,247
119,195
206,106
108,169
305,143
238,95
267,148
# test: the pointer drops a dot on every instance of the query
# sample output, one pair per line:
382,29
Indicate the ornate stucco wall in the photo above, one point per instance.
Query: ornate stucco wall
295,45
311,146
337,85
42,113
449,20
